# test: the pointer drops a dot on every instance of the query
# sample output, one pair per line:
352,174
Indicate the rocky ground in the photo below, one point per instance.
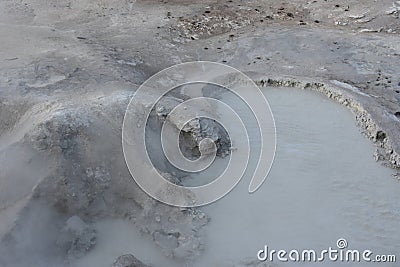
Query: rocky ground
68,70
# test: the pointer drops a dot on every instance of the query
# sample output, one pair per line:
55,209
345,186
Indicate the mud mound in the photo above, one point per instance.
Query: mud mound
73,157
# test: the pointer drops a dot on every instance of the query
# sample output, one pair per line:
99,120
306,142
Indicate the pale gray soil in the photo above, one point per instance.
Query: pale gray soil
68,70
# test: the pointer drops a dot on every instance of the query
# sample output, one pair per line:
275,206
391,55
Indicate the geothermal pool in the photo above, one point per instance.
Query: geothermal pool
324,185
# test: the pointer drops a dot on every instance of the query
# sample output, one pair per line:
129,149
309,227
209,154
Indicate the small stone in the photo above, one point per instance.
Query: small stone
128,260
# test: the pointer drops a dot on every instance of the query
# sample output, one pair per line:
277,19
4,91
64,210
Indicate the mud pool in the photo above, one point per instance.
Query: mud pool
324,185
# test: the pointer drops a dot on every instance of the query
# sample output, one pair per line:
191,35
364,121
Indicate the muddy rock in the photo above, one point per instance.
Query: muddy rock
196,130
128,260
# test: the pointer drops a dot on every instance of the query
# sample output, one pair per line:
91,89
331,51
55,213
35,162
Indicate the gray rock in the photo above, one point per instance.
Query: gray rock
128,260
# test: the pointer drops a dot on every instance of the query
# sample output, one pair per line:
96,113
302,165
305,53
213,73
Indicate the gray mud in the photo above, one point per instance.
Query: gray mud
68,70
318,190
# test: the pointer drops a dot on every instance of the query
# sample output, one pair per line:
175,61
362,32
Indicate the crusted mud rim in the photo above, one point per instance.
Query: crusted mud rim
380,134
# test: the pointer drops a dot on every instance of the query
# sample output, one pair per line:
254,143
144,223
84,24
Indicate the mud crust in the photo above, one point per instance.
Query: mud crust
368,121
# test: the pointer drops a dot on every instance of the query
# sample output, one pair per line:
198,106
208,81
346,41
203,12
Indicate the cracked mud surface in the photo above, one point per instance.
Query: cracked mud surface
68,70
